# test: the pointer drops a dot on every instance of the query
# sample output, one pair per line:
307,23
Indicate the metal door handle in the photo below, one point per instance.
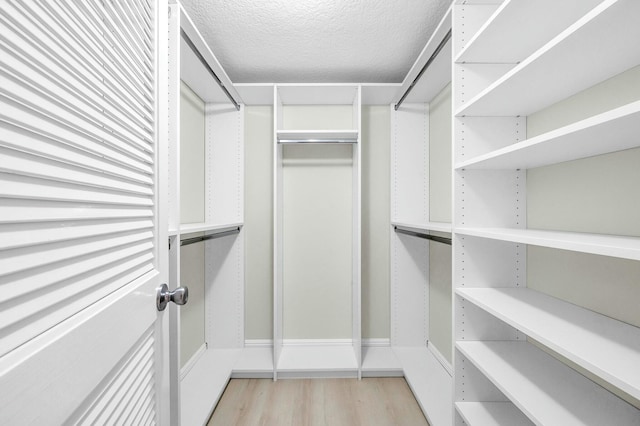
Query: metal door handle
179,296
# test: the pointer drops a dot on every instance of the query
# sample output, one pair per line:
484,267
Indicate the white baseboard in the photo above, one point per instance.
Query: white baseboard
376,343
258,343
192,361
317,342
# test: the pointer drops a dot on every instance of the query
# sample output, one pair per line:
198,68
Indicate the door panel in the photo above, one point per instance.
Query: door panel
82,202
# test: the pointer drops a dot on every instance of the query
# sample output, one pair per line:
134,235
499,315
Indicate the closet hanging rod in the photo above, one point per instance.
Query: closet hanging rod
435,238
424,68
206,65
194,240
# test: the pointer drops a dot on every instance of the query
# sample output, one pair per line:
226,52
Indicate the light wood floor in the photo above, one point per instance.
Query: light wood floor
335,402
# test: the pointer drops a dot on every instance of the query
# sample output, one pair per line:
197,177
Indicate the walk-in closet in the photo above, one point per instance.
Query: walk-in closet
310,212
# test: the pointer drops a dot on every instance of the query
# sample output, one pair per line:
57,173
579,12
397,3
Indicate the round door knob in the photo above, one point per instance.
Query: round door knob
179,296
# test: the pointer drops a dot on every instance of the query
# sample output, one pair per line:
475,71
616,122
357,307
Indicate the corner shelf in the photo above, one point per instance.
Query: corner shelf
600,244
189,228
317,136
513,32
422,227
544,389
582,336
491,414
565,65
619,127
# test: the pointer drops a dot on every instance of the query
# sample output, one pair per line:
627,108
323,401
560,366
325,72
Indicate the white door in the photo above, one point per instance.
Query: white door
83,243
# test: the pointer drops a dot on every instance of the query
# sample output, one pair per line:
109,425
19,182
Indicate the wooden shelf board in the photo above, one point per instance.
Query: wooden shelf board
211,228
380,362
600,244
606,347
254,362
317,361
514,32
429,381
422,227
598,46
491,414
545,389
612,131
203,386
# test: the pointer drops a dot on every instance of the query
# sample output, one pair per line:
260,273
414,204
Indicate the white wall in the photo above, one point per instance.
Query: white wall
440,287
192,128
258,222
376,140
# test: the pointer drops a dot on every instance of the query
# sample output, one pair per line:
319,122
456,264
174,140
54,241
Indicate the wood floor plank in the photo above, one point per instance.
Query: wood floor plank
317,402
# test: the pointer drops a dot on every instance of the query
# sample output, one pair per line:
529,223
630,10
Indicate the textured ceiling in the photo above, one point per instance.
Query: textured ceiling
336,41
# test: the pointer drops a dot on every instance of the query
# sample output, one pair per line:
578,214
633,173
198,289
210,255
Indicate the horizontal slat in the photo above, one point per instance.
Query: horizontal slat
23,140
79,52
11,115
29,257
24,164
32,100
30,69
28,234
26,284
25,320
13,211
14,186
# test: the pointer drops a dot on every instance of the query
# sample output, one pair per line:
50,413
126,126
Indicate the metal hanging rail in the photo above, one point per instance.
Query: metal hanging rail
432,58
194,240
318,141
206,65
435,238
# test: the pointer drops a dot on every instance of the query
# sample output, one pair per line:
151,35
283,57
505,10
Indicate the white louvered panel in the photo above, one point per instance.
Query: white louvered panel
59,300
22,140
43,126
77,53
23,164
72,84
76,169
13,211
129,393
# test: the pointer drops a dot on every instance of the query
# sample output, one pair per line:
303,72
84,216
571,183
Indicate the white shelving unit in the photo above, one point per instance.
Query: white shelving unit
316,357
427,372
520,354
198,383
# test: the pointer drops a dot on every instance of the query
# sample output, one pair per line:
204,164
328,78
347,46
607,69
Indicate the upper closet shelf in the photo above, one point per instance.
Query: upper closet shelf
189,228
514,31
600,45
607,347
612,131
600,244
422,227
492,414
317,136
546,390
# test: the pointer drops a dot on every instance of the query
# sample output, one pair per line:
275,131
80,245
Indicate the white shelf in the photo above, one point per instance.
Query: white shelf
514,32
600,244
491,414
203,386
429,381
302,361
318,136
189,228
598,46
608,348
254,362
544,389
424,227
380,362
612,131
318,94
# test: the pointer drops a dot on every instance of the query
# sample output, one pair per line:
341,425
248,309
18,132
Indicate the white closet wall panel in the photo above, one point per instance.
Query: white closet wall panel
192,156
76,144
